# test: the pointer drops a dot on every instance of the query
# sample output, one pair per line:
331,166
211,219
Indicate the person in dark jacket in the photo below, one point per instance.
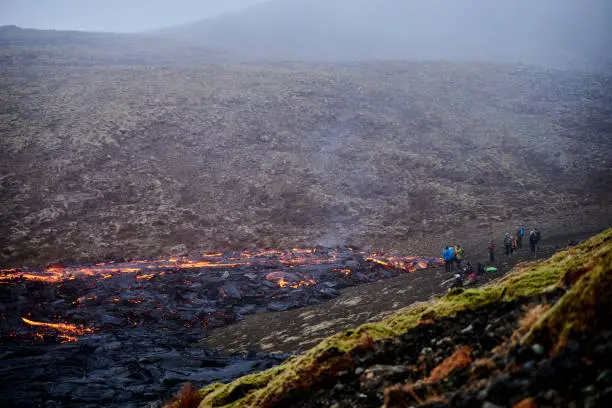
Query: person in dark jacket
534,240
481,268
491,251
508,244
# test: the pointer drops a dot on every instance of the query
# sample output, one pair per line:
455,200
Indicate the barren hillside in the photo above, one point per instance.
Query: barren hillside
122,158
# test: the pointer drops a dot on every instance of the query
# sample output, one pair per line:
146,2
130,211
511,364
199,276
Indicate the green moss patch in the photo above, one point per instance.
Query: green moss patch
585,307
589,261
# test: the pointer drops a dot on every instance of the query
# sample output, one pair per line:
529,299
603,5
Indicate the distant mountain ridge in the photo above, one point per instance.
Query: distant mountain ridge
553,33
93,48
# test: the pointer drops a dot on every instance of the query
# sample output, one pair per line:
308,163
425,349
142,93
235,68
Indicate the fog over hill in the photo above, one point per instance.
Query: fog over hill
554,33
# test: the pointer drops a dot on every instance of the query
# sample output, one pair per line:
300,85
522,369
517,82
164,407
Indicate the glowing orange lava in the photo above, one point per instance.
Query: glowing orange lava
65,329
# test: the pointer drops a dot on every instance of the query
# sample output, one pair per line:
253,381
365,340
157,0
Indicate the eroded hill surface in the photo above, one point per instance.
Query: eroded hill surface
100,160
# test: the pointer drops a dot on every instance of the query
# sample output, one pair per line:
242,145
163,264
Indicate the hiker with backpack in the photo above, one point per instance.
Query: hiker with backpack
453,255
508,244
459,253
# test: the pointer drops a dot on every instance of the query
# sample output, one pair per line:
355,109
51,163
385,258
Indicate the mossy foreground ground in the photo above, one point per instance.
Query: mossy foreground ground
565,298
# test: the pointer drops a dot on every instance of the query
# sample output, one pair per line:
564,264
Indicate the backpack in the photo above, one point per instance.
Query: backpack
537,236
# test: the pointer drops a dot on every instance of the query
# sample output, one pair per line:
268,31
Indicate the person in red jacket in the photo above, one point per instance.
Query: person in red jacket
491,251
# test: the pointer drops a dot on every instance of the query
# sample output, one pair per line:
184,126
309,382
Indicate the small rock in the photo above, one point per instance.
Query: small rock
179,250
488,404
588,389
359,371
526,403
483,368
468,329
445,340
603,376
113,345
426,351
537,349
378,375
225,275
111,320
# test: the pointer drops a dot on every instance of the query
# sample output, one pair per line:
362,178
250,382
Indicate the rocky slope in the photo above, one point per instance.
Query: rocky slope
537,337
100,159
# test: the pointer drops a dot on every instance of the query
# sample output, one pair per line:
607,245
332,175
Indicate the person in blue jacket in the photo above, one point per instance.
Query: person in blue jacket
519,237
446,256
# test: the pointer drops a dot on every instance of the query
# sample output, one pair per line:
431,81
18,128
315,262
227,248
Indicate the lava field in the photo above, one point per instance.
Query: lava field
127,332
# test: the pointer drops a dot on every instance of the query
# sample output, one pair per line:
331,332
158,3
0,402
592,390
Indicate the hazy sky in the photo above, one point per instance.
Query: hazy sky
111,15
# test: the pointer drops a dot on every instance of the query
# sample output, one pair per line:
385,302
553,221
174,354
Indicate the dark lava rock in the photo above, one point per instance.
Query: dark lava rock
378,375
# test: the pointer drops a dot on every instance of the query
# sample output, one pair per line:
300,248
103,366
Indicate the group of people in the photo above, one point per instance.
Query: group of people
452,256
514,242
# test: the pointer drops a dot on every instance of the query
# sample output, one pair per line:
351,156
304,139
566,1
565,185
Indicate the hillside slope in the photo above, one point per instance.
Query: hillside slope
114,159
552,33
537,337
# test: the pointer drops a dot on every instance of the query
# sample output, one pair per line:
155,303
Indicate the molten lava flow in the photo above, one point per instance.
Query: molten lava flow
409,264
67,331
290,280
147,269
206,264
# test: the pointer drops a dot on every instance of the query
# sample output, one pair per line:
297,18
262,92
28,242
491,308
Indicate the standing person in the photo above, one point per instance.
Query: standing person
519,236
508,244
533,241
459,252
453,257
537,238
514,245
481,268
446,257
491,251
